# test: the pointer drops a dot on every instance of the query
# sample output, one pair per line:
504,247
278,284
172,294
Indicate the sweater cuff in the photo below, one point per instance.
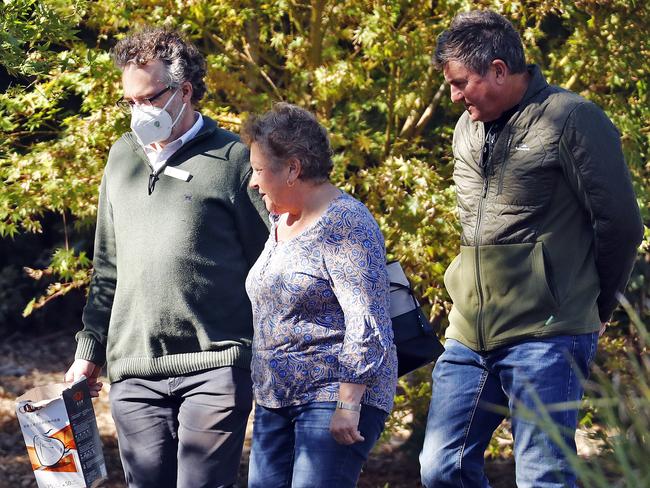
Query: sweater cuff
605,310
90,350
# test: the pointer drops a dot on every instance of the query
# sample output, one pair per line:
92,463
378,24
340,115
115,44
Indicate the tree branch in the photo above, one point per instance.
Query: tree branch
246,57
266,77
316,32
391,109
428,112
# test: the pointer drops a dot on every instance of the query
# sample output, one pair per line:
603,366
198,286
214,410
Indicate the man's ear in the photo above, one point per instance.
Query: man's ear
500,71
187,91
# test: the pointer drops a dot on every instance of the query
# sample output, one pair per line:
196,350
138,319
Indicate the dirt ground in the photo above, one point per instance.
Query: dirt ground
27,361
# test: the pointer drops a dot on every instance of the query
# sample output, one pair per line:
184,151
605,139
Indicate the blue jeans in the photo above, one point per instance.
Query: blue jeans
293,447
467,385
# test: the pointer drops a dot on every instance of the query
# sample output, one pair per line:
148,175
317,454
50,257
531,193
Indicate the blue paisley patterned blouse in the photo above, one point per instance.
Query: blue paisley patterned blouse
321,312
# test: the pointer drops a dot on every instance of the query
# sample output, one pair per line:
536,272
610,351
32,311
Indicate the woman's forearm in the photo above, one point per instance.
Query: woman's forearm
351,392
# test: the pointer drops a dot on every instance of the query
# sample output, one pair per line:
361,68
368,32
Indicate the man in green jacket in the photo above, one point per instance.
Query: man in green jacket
550,228
167,311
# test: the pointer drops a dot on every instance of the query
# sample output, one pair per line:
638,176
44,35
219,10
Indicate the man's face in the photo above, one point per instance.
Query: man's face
481,95
141,82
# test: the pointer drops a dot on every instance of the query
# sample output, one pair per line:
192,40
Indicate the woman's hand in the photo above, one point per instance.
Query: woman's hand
344,427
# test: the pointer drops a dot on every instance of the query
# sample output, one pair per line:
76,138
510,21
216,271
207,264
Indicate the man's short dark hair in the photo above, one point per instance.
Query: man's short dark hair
288,132
182,60
477,38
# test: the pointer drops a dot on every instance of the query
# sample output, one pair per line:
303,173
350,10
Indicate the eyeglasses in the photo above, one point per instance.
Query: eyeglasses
127,105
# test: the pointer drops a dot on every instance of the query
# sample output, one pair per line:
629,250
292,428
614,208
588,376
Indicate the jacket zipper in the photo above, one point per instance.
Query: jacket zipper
479,317
477,239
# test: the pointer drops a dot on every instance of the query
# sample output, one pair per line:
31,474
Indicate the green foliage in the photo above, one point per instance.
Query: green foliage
408,407
72,269
29,29
362,66
415,210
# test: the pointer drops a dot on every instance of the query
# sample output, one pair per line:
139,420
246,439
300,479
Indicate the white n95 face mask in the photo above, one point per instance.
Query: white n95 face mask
153,124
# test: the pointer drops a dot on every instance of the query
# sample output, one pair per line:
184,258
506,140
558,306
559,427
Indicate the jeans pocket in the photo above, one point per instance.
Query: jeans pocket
584,351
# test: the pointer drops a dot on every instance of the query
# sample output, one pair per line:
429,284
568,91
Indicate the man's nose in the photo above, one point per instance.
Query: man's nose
456,94
253,182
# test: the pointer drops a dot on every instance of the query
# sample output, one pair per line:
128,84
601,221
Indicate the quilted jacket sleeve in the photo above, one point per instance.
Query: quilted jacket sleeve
593,163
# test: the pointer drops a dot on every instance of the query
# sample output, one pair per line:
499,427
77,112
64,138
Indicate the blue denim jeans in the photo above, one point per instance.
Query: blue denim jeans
467,386
293,447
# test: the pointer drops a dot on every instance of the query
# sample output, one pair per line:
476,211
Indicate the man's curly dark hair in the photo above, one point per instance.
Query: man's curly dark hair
182,60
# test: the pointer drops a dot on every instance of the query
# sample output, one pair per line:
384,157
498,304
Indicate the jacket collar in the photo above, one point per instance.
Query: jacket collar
536,84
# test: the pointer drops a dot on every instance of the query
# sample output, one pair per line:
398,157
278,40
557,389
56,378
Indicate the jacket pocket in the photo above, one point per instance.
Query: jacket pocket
460,282
507,285
517,295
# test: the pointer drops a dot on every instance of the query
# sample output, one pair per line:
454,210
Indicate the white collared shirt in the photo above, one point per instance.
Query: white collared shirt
158,155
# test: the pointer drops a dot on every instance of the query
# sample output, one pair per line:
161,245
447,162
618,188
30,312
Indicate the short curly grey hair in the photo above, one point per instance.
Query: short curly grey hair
182,60
288,132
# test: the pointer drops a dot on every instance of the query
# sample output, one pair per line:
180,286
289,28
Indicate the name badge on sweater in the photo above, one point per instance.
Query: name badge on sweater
179,174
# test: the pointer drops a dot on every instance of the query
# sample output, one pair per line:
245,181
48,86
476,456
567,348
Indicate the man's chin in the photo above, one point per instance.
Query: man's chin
474,115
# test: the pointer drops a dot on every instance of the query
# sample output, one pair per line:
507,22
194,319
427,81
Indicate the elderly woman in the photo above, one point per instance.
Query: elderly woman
324,363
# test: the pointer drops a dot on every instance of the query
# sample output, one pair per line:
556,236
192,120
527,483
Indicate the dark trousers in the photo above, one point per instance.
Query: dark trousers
185,431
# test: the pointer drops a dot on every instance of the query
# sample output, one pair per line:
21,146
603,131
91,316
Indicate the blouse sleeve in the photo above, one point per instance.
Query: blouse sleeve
355,260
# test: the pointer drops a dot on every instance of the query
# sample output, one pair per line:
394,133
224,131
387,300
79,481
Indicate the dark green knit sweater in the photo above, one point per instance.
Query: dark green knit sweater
167,295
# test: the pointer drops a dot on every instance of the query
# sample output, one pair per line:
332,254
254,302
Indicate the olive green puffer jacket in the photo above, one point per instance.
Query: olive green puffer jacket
550,224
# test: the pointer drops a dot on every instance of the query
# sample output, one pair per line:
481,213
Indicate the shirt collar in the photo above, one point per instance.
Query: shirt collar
194,130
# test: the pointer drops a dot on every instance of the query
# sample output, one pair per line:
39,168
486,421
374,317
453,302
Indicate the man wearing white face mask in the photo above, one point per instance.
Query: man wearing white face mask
151,124
167,312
